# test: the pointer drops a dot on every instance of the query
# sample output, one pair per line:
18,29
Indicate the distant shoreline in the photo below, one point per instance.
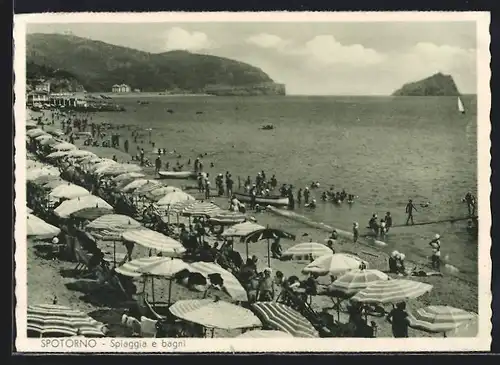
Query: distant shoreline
141,94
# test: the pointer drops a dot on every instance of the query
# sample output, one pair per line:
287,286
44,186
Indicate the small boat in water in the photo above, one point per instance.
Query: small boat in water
276,201
177,174
267,127
461,108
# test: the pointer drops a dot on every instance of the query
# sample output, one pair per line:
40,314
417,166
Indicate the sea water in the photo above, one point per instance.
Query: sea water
385,150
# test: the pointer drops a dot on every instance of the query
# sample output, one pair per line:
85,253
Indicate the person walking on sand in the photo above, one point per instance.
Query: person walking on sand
157,164
142,156
436,252
409,210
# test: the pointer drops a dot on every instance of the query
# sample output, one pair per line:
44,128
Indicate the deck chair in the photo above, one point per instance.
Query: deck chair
148,327
82,259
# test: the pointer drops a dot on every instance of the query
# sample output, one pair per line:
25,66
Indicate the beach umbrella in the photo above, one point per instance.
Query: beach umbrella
306,251
230,283
174,197
391,291
439,318
89,160
57,154
117,169
49,319
55,132
68,191
91,213
64,146
72,206
134,185
199,208
43,136
177,208
30,125
149,186
113,222
33,174
265,334
467,329
226,217
43,180
79,153
160,192
54,183
49,142
103,162
38,228
216,313
242,229
334,264
280,317
155,241
131,268
355,280
30,164
33,133
128,176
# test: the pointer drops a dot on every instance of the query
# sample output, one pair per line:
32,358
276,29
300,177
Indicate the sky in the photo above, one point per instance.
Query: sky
311,58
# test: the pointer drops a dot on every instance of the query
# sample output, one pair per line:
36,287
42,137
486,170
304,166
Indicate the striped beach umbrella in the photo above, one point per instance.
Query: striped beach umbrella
391,291
128,176
176,208
212,313
355,280
80,153
134,185
57,155
280,317
131,268
439,318
230,284
72,206
101,163
199,208
113,222
49,318
43,136
68,191
154,240
334,264
306,251
174,197
265,334
226,217
242,229
49,142
146,188
117,169
38,228
30,125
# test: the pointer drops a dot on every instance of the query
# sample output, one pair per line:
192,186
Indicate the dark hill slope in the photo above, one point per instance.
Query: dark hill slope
436,85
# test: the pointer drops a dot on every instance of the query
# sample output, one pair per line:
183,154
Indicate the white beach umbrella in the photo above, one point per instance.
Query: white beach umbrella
334,264
33,174
242,229
44,136
80,153
134,185
68,191
57,155
64,146
38,228
154,240
33,133
306,251
69,207
175,197
128,176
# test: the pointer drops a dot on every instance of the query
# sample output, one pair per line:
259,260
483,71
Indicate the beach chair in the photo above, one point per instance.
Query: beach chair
82,267
148,327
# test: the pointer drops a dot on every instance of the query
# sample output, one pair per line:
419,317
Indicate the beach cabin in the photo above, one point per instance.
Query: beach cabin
123,88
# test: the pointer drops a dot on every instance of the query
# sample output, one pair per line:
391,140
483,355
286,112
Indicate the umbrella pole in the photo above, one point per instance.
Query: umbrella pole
246,243
268,254
338,309
114,253
169,290
212,332
153,290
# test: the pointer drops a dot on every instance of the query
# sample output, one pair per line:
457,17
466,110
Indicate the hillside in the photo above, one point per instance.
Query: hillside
435,85
60,80
100,65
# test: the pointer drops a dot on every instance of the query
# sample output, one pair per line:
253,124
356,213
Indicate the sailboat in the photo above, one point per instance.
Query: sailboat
461,108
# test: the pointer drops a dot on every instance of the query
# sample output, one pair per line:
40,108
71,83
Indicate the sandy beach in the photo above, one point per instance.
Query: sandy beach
49,278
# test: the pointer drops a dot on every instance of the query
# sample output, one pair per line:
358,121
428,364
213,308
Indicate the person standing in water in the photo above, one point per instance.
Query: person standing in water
409,210
355,231
306,195
436,252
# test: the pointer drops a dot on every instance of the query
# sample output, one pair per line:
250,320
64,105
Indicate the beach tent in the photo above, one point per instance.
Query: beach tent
439,318
69,207
265,334
38,228
306,251
334,264
391,291
216,313
280,317
68,191
52,320
154,241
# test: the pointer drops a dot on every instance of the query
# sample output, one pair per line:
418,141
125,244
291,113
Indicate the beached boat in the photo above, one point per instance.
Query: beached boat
461,108
177,174
263,200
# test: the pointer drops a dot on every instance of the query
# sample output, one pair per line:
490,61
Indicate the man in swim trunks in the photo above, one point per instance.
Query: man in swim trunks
471,203
409,210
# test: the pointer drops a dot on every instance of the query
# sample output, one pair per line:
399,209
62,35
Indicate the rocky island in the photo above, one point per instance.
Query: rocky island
435,85
98,66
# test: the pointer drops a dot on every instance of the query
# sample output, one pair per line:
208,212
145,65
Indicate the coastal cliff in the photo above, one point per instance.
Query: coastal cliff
99,66
60,81
435,85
